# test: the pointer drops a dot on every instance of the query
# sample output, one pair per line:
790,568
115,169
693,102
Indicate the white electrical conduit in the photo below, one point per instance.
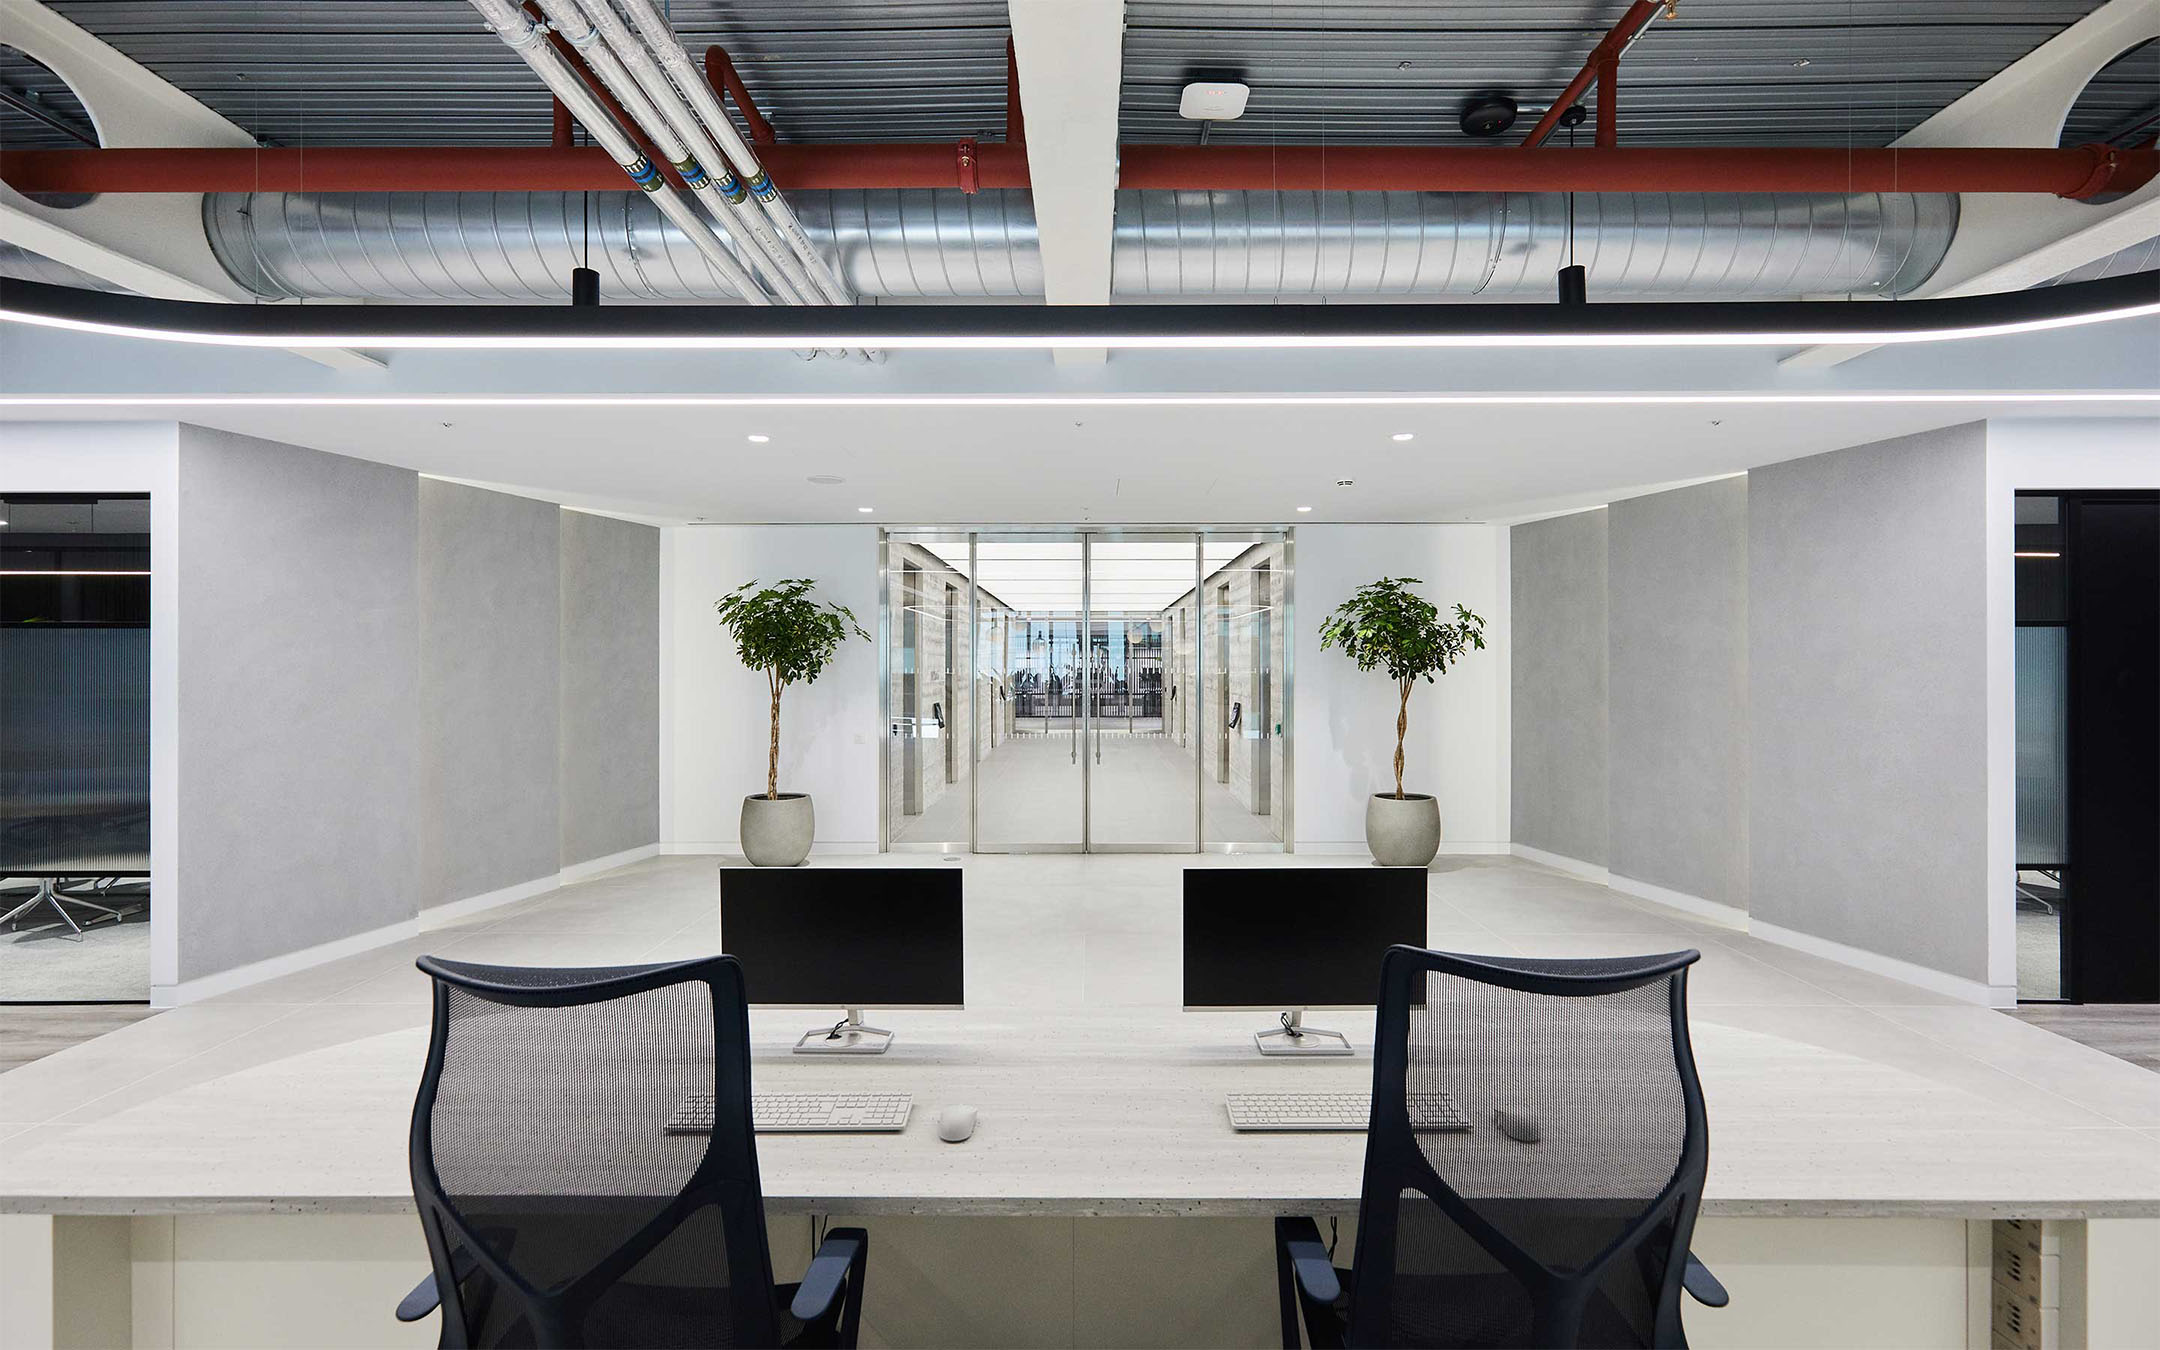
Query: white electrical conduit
629,73
661,39
529,41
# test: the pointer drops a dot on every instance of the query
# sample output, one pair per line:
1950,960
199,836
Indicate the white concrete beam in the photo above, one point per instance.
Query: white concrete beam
2009,241
1071,55
151,243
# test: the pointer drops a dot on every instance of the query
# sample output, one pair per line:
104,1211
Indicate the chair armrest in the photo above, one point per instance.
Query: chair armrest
828,1273
1309,1260
1696,1278
421,1301
425,1297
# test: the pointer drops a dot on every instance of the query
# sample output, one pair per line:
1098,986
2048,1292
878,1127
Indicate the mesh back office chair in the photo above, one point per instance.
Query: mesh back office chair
1564,1221
557,1208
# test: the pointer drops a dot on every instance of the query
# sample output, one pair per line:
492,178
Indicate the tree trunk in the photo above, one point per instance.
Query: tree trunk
1402,726
772,763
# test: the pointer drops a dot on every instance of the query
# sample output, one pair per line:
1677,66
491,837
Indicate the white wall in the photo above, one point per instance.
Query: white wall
713,711
130,457
2023,455
1457,747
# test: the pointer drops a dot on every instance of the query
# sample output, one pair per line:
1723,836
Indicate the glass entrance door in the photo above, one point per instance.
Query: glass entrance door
1144,787
1097,690
1029,619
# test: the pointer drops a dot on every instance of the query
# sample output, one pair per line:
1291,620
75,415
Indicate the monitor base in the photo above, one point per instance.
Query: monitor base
848,1036
1293,1037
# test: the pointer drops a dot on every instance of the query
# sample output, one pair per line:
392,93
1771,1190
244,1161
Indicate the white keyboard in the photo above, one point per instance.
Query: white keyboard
1332,1111
803,1113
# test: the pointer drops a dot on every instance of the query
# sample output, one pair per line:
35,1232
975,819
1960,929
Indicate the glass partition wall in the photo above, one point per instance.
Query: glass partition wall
1090,690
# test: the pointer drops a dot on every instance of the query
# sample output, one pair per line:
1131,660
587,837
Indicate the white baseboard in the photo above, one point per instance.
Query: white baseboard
1588,871
1693,905
270,968
607,862
1890,967
451,911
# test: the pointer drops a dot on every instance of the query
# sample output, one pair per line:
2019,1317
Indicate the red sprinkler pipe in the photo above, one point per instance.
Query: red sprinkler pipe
1608,102
2077,172
721,75
1608,50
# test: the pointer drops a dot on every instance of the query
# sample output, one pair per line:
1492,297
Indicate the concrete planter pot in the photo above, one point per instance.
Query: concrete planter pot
776,831
1405,832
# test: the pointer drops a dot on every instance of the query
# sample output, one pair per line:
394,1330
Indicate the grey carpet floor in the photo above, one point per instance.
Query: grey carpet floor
40,962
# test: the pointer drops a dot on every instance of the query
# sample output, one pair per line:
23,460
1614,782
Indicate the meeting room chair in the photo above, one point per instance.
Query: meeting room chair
558,1208
1562,1217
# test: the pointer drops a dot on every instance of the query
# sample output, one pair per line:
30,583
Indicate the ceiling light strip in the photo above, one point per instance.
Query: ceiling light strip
827,401
978,327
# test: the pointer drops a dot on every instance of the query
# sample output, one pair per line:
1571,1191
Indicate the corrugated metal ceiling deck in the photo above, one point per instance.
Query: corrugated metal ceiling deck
426,72
1723,73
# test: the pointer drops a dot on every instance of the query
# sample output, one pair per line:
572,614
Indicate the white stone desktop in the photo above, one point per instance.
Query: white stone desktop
1858,1126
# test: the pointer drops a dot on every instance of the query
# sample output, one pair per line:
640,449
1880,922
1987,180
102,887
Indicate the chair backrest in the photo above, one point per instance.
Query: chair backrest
558,1209
1562,1216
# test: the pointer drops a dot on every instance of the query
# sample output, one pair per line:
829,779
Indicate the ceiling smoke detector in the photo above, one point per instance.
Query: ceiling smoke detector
1213,101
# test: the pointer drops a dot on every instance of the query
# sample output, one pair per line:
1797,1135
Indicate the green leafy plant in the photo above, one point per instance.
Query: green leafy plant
1386,626
780,630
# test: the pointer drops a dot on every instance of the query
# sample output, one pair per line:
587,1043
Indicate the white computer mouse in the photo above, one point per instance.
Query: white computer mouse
955,1124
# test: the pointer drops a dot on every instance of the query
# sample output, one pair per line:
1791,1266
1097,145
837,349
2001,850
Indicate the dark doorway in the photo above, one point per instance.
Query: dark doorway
2112,552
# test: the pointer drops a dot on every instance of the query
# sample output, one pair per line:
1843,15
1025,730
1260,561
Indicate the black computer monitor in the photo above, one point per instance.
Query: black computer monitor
845,937
1286,939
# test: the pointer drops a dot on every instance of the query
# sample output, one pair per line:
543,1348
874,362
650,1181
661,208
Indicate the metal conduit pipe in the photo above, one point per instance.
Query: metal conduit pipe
925,243
710,192
660,38
599,35
528,40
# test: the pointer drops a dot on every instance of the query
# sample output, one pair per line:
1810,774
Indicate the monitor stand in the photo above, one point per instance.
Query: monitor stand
1293,1037
848,1036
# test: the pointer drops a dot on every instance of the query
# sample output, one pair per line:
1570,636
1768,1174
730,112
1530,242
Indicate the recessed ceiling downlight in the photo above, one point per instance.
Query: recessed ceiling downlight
1403,436
866,510
757,438
1304,509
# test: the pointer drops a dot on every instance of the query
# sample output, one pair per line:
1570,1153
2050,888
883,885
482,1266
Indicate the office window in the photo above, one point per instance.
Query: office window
2042,665
74,748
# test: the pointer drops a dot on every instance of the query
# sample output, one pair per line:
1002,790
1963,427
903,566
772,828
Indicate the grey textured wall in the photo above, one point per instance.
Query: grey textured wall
610,686
1867,671
489,622
1677,709
1558,684
299,709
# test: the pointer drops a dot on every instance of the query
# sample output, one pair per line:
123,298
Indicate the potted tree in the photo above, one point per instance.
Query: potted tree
781,631
1386,626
